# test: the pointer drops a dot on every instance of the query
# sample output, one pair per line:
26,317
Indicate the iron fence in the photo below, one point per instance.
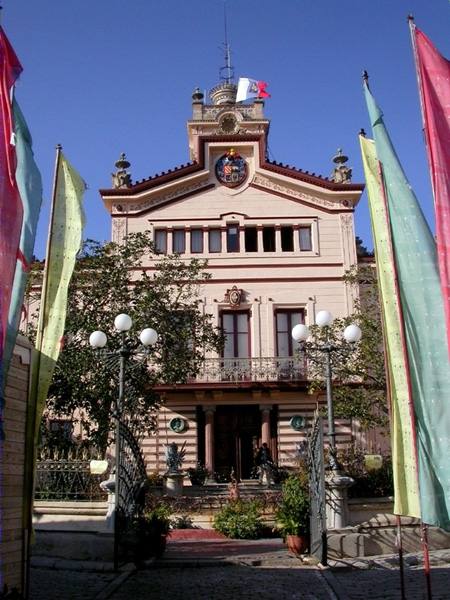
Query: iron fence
65,475
235,370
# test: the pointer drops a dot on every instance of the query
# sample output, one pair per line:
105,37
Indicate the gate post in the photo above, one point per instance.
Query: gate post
337,499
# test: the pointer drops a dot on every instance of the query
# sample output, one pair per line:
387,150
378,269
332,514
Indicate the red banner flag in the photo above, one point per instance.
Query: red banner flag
433,72
11,211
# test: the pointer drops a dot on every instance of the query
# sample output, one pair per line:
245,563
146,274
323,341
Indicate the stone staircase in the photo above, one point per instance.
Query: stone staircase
377,536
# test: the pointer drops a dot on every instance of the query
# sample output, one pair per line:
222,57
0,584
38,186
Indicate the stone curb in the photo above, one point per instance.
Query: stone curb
176,563
115,584
62,564
337,592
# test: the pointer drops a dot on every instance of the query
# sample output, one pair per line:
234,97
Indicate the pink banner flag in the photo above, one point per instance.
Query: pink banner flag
433,72
11,211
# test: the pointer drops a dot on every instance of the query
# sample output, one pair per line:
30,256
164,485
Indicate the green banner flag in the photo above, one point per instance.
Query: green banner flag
64,242
423,315
406,492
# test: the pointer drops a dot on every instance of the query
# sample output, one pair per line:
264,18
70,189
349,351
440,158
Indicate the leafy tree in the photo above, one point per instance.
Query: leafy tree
359,376
111,279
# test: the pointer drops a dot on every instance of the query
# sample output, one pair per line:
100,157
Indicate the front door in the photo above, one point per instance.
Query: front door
237,435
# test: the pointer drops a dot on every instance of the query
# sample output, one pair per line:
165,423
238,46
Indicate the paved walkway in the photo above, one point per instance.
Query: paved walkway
220,569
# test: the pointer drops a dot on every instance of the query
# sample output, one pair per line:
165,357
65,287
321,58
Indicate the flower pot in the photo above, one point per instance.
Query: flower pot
297,544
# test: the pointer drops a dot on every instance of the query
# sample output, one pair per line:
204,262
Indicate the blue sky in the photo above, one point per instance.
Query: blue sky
106,76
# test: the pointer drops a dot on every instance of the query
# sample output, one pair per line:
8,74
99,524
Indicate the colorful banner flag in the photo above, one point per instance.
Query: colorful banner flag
64,242
423,314
29,183
251,88
10,202
433,72
406,491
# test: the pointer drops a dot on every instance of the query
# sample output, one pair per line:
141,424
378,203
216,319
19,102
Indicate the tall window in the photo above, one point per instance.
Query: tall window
179,241
235,327
305,239
215,240
233,238
285,321
269,239
196,241
287,238
161,241
251,239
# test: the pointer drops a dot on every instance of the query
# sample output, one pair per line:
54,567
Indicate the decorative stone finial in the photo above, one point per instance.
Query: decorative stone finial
224,93
197,95
121,178
342,173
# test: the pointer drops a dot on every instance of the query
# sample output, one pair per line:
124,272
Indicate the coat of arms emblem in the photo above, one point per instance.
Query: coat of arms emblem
231,169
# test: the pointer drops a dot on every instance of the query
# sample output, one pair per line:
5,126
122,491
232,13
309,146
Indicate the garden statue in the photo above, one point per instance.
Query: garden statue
174,457
265,465
233,487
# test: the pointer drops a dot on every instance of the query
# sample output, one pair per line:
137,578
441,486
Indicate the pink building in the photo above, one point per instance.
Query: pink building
278,241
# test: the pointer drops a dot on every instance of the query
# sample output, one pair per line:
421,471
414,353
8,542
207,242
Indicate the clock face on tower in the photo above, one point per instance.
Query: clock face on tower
231,169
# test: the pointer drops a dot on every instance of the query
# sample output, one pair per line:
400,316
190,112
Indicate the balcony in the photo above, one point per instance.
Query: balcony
251,370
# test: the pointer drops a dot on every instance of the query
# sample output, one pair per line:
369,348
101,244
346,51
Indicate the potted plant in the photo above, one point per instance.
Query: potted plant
293,513
149,533
198,474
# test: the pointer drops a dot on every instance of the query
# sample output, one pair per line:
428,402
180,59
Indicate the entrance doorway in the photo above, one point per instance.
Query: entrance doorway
237,437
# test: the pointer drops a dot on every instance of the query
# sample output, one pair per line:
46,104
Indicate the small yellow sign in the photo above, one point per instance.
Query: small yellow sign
98,467
373,462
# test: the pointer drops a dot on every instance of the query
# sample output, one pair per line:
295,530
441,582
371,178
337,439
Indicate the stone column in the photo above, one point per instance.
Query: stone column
265,424
209,437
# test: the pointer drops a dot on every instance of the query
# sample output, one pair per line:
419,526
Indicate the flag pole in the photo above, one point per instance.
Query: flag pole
48,250
411,405
405,352
412,26
399,544
30,450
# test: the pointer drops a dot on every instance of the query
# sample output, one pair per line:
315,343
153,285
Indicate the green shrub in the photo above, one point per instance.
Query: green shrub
293,513
182,522
240,519
368,484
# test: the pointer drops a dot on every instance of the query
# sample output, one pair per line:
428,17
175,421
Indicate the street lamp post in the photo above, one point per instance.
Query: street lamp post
351,334
98,339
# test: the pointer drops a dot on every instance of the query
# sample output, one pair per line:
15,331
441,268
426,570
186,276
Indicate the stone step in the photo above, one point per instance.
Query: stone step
376,540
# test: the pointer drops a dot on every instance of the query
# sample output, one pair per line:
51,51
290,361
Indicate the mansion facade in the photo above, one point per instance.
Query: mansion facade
278,241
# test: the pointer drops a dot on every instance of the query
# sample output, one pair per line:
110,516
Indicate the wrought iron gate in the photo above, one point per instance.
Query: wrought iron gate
132,486
318,530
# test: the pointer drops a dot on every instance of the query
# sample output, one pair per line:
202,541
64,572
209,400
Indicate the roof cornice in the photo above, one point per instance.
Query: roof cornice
190,168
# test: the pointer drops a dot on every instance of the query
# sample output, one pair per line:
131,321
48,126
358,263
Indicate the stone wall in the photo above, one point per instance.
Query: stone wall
12,457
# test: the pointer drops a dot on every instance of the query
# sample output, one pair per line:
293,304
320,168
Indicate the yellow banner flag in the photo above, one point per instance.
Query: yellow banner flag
64,242
404,463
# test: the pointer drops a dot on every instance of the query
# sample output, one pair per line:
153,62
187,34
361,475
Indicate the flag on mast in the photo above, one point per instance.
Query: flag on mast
64,242
10,203
423,314
29,182
433,73
406,492
251,88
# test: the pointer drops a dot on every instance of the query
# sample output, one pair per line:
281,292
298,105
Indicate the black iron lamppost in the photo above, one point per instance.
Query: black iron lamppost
148,337
351,334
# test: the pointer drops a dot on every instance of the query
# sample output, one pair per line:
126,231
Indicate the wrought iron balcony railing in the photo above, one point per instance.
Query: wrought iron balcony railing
235,370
